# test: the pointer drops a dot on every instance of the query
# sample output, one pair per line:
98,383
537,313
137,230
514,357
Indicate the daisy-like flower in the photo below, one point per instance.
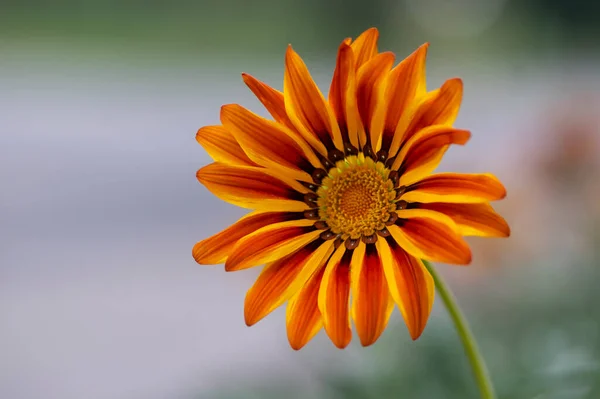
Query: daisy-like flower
344,201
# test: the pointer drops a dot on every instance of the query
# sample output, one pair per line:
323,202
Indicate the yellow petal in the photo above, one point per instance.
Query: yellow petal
370,294
215,249
430,235
423,152
370,94
473,219
406,82
253,188
222,146
270,243
438,107
303,319
455,188
280,280
272,99
307,108
334,296
270,144
365,46
410,283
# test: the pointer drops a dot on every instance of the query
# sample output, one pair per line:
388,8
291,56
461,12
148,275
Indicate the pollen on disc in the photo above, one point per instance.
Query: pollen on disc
358,199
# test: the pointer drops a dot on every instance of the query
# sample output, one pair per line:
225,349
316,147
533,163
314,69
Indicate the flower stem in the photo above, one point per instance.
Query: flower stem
466,336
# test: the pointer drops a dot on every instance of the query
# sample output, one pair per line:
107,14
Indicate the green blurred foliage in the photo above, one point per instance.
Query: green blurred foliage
264,26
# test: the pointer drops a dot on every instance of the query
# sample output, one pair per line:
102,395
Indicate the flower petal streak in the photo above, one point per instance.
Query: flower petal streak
215,249
253,188
342,96
270,243
370,294
410,284
307,108
370,93
430,235
280,280
334,296
473,219
303,319
439,107
455,188
272,99
365,46
424,151
268,143
222,146
406,82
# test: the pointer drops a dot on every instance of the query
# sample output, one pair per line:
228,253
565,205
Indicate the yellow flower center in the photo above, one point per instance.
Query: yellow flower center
356,197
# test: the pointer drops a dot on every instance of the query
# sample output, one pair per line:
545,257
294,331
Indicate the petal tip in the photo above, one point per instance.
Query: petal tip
342,344
372,31
290,55
199,135
464,137
463,257
456,83
296,346
224,109
231,265
416,335
367,343
197,253
249,319
200,175
503,193
246,77
505,231
467,258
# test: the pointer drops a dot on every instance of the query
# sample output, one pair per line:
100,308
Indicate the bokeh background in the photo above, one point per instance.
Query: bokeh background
100,101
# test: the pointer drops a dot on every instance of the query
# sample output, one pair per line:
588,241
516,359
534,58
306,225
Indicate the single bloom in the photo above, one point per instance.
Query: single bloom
343,196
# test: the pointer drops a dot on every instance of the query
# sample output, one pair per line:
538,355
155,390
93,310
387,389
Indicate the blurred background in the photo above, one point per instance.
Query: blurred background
99,205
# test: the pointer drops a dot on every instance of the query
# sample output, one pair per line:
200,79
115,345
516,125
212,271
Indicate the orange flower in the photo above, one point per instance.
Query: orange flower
344,202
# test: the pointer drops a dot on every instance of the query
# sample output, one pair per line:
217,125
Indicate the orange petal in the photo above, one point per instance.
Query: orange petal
370,94
423,152
342,96
280,280
370,294
272,99
473,219
253,188
456,187
270,144
270,243
303,319
439,107
334,298
222,146
405,83
306,106
430,235
410,283
365,46
215,249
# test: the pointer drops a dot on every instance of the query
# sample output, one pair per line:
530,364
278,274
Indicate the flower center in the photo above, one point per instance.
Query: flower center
357,197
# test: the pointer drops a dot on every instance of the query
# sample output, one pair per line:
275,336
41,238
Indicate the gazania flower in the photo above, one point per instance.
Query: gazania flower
344,203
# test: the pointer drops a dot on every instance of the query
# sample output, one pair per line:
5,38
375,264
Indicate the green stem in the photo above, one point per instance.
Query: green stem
466,336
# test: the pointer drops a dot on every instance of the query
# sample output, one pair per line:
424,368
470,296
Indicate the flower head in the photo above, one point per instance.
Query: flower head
344,201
